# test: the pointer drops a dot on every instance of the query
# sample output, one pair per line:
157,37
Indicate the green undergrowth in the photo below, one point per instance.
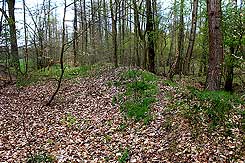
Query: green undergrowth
124,157
54,73
69,120
140,93
41,157
210,110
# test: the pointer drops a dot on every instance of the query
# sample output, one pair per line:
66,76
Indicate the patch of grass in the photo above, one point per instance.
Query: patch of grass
107,138
125,156
169,83
140,93
122,127
72,72
53,73
210,107
42,157
138,109
139,75
141,88
69,120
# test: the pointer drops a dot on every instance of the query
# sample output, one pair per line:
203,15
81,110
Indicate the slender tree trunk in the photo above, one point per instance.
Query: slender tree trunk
230,71
150,35
192,38
176,66
85,27
25,36
136,44
114,30
99,24
173,36
140,34
61,58
215,45
123,30
75,35
179,65
230,62
13,38
92,32
106,36
171,48
121,58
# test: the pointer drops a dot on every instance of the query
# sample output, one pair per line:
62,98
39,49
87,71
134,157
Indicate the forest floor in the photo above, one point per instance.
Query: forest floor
84,125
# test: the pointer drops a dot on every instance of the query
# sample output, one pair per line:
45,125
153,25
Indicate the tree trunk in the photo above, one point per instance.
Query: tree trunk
114,31
176,66
215,45
230,71
13,38
25,36
75,35
192,37
179,64
61,58
150,36
140,33
85,27
123,30
230,62
173,38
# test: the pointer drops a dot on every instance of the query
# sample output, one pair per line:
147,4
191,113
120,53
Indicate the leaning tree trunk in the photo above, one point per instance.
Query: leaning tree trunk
176,66
216,55
192,38
61,59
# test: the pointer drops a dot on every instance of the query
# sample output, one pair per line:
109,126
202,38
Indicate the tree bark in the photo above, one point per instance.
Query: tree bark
140,33
114,31
61,58
216,55
176,66
179,65
25,36
230,71
85,27
13,38
75,35
150,35
192,38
